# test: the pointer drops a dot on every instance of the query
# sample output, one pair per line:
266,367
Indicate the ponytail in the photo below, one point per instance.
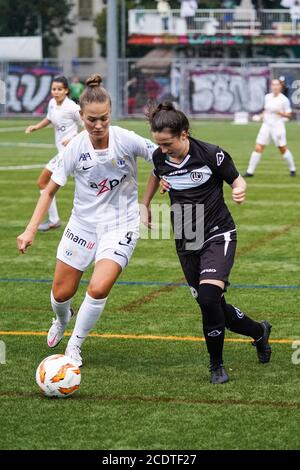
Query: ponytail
94,91
166,116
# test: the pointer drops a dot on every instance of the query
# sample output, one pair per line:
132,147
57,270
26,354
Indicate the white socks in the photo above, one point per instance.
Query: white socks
53,212
254,160
89,312
290,160
61,309
256,156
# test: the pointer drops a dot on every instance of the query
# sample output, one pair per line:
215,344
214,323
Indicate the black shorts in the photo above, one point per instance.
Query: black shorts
213,261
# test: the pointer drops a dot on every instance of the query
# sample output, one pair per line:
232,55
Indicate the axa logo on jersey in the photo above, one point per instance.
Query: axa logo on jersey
85,157
106,185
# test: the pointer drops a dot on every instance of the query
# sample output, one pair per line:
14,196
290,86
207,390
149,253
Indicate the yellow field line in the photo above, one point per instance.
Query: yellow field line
144,337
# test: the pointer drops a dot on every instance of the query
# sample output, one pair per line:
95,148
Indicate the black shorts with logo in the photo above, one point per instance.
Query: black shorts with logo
213,261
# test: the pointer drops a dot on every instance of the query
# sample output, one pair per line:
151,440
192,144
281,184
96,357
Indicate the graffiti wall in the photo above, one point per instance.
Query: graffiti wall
28,88
198,89
227,90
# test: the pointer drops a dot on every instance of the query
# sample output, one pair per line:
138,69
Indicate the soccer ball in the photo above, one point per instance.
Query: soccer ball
57,376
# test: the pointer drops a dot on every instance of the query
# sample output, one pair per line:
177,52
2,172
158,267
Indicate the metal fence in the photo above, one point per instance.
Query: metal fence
25,86
3,93
201,87
214,21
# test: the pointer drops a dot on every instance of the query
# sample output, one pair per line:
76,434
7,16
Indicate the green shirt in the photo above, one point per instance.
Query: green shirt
76,89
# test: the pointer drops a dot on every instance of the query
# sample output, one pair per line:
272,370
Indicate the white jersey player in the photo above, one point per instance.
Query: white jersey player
277,109
64,115
104,224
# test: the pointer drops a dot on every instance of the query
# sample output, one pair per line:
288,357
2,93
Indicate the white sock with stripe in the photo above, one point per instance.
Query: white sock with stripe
61,309
254,160
88,315
289,159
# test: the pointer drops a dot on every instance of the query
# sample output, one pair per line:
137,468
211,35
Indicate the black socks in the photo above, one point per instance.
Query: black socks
238,322
216,314
213,320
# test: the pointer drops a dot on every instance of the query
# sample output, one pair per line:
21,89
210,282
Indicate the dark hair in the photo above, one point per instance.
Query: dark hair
63,80
94,92
166,116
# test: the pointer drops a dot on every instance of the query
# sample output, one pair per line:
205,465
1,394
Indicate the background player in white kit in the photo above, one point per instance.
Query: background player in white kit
277,107
64,115
104,224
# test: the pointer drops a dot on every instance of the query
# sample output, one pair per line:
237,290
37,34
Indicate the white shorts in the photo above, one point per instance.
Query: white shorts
267,133
51,165
79,248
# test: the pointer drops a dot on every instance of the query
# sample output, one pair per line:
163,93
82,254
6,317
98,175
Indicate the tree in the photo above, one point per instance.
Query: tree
32,17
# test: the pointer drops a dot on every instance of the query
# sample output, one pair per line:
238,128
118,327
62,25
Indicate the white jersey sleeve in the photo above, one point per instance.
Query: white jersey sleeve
287,106
50,104
138,146
265,101
65,165
76,114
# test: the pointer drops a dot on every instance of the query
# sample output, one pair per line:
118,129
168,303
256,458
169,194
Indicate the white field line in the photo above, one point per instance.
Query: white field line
27,145
21,167
274,185
282,203
12,129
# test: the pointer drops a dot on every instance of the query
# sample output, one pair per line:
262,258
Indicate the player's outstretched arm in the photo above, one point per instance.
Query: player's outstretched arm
284,114
145,211
40,125
27,237
239,187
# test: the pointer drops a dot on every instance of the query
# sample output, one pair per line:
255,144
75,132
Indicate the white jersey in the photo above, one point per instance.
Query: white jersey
65,119
106,192
274,104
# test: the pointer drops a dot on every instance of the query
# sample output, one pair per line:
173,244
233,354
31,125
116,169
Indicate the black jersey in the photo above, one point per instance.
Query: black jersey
198,180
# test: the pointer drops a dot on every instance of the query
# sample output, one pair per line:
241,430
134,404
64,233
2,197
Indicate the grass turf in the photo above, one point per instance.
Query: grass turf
154,393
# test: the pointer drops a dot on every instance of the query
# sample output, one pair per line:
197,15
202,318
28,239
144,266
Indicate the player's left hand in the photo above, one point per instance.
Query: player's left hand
239,195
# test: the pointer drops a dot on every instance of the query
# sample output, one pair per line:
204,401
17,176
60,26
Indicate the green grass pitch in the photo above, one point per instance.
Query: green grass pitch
140,392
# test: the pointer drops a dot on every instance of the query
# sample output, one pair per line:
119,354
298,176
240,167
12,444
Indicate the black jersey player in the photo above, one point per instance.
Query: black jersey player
193,173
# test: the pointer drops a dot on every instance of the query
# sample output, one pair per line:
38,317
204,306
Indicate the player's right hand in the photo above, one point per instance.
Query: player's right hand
25,240
146,216
30,129
164,186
